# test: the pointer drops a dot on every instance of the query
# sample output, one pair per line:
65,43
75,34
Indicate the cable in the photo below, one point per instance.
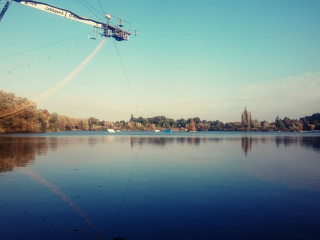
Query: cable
88,7
124,71
55,87
45,45
101,7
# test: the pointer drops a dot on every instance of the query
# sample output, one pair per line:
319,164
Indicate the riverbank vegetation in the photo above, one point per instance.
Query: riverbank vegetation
21,115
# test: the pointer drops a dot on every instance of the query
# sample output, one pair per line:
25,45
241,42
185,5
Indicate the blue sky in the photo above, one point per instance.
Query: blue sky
206,59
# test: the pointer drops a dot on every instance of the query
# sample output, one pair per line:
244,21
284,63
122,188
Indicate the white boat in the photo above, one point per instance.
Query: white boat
110,130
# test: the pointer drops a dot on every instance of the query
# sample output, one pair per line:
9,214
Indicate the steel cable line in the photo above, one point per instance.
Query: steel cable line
101,7
55,87
124,71
88,6
45,45
177,32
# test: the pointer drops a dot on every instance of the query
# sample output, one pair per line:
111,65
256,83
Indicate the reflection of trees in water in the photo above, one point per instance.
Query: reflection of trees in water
18,152
21,151
311,142
286,141
290,165
162,141
150,141
246,144
307,142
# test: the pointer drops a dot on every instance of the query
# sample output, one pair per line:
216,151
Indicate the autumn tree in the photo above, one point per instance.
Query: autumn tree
43,118
54,122
246,120
18,114
93,122
192,126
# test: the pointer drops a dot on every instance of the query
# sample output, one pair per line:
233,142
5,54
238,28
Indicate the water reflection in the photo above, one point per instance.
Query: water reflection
306,142
21,151
312,143
246,144
142,185
162,141
64,197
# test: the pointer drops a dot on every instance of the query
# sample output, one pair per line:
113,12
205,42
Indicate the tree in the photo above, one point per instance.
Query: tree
93,122
256,124
192,126
82,124
181,123
43,118
54,122
196,120
280,124
246,121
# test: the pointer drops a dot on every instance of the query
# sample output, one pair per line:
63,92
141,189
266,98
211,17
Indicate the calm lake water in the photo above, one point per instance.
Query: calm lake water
137,186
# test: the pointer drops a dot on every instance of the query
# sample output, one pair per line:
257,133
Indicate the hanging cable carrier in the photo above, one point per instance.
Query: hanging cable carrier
108,30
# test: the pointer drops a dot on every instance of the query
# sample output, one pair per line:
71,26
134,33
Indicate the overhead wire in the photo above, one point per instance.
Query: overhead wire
101,7
203,31
124,71
55,87
44,45
70,76
88,6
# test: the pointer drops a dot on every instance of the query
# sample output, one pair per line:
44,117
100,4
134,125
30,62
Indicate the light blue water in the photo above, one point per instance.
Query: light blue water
95,185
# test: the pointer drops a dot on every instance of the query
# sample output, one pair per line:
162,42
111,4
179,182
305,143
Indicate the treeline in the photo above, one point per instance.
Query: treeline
21,115
283,125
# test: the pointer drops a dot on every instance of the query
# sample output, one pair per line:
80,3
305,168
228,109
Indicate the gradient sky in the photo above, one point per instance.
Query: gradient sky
205,58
